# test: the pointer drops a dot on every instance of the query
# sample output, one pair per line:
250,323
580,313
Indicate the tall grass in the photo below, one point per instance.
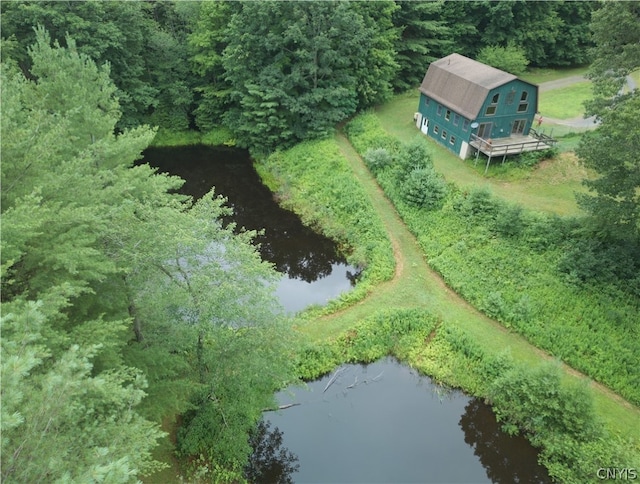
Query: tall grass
504,260
314,180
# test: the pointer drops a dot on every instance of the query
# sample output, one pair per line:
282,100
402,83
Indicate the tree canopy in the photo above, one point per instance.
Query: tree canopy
612,149
280,72
107,320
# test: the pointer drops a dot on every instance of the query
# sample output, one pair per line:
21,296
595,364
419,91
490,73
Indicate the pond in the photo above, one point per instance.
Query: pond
384,423
313,269
379,423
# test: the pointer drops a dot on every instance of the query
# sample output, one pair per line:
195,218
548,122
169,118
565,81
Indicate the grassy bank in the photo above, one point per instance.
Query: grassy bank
404,308
509,263
315,181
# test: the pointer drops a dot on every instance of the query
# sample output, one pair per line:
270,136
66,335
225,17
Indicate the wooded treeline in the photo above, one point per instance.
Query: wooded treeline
280,72
121,302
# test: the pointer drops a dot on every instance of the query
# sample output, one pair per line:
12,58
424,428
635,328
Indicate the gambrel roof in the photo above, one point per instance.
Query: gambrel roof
462,84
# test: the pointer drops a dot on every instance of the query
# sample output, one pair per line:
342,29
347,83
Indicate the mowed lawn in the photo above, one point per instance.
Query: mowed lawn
550,187
565,102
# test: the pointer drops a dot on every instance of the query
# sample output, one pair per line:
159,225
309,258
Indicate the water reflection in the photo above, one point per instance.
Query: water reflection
385,423
270,461
507,459
293,248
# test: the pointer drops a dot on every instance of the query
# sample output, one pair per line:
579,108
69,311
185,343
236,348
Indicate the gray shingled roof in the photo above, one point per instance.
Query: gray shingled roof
462,84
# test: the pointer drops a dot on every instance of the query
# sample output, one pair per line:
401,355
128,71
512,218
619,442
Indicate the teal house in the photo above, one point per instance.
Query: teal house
471,107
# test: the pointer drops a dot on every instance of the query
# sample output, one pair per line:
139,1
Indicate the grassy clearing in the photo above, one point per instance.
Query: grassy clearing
416,285
565,102
507,262
538,189
537,75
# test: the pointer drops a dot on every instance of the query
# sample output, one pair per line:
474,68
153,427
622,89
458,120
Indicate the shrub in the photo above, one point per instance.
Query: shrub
377,159
537,402
508,221
477,204
424,188
365,132
511,58
530,159
610,261
414,154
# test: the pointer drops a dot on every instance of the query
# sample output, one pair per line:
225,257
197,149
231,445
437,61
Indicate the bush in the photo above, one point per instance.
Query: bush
530,159
508,221
377,159
609,261
511,58
478,204
424,188
537,402
413,155
365,132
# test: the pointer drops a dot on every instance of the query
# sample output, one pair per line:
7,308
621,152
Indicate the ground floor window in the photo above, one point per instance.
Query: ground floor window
518,126
436,129
452,140
444,134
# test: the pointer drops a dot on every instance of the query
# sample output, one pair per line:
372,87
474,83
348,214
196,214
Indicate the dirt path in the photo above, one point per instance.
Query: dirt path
411,266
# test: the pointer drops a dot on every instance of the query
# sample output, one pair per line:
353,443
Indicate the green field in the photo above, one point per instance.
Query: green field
550,187
537,75
565,102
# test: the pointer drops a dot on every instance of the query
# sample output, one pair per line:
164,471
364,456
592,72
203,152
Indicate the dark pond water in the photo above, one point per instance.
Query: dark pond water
313,270
384,423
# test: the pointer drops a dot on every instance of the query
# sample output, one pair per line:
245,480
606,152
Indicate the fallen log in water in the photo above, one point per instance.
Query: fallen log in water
333,378
281,407
355,382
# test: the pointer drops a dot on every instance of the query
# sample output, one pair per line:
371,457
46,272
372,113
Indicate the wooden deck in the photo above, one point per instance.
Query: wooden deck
513,145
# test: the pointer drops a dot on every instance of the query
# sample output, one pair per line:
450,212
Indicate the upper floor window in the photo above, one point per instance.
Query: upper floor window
465,125
447,115
511,95
456,119
524,105
495,98
491,110
427,101
439,110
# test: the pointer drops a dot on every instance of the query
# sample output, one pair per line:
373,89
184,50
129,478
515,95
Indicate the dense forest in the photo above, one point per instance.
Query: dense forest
280,72
124,303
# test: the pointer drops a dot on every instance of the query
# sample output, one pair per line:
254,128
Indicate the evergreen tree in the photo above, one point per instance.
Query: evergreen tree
110,283
142,41
206,45
616,33
612,149
424,37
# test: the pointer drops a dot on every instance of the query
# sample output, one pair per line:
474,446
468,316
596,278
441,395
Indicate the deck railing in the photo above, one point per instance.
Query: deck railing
499,147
